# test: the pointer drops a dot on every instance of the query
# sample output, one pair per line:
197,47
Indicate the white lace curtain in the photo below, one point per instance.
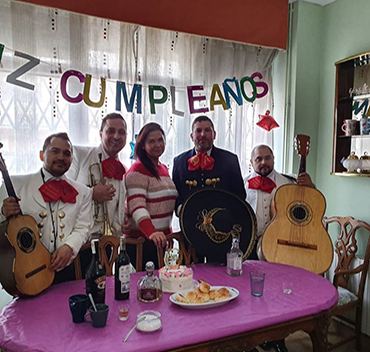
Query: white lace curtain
119,52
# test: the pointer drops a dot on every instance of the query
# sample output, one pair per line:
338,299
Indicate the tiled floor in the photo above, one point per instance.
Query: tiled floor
301,342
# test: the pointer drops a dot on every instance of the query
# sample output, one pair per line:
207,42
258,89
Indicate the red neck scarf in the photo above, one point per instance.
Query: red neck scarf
53,191
113,168
201,161
265,184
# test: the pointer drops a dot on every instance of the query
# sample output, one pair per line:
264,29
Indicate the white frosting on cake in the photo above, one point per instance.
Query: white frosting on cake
174,280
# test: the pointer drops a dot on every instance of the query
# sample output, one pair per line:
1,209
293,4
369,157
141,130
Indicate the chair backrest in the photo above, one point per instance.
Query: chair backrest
346,247
108,252
186,250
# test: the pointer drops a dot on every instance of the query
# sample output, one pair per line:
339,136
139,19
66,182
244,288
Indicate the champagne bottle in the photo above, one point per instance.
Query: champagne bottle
234,259
122,273
96,275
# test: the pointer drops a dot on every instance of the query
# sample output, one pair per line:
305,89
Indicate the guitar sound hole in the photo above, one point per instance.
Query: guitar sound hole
26,240
299,213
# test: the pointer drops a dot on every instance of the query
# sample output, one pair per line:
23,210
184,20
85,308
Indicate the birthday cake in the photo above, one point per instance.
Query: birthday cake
174,280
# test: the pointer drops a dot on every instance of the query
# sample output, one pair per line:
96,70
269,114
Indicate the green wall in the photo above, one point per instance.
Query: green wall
322,36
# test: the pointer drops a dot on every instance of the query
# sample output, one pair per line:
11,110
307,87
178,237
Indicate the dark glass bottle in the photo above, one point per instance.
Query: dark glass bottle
122,273
96,275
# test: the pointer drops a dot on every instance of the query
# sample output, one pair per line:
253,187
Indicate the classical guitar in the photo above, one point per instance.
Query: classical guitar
25,261
296,234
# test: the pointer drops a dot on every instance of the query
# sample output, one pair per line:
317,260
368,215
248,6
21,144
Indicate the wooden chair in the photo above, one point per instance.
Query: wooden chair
346,248
186,250
111,242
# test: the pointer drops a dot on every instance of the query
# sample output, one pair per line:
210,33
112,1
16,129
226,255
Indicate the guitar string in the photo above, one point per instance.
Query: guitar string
52,217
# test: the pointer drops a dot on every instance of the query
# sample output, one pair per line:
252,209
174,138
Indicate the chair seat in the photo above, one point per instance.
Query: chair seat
345,296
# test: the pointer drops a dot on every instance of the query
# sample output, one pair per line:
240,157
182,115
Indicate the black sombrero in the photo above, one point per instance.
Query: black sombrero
210,218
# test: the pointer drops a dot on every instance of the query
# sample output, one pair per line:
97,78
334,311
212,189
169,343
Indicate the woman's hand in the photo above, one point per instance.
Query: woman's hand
159,239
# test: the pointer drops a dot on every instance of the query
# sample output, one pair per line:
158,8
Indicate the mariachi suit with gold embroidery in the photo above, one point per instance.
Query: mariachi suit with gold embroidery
225,172
72,221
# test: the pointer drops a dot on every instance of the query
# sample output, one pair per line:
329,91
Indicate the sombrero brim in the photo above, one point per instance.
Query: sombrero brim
210,218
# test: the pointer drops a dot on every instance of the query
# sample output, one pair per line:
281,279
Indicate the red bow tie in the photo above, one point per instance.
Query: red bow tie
112,168
202,161
53,191
265,184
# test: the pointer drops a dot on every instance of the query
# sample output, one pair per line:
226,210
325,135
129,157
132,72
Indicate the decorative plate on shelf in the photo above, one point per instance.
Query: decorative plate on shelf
210,304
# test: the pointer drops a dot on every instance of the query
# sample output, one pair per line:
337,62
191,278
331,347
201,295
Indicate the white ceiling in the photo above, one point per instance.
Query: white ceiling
320,2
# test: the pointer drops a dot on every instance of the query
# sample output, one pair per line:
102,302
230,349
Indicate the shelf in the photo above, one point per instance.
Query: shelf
344,99
356,136
349,174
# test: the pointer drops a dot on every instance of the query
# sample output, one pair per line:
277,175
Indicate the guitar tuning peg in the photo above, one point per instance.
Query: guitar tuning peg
40,225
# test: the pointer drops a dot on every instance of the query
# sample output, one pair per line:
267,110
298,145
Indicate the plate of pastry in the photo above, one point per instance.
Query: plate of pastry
204,296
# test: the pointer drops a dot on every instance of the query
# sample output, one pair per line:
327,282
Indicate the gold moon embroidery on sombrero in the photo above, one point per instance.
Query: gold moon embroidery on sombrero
205,225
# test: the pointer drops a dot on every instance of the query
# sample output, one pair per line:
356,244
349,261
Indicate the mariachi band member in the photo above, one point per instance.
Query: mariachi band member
206,165
60,206
99,167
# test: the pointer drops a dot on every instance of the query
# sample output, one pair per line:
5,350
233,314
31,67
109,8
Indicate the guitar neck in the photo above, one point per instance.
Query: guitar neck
302,164
9,186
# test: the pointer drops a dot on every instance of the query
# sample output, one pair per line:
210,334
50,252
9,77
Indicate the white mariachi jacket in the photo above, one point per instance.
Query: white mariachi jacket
260,201
72,221
83,157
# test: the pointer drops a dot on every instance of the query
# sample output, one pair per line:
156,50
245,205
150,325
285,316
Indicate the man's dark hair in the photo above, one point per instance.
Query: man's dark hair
111,116
141,153
61,135
200,119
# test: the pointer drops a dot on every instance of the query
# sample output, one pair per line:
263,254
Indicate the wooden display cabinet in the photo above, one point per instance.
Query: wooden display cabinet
352,101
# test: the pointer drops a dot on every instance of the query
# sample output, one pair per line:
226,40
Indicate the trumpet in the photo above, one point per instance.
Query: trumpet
107,229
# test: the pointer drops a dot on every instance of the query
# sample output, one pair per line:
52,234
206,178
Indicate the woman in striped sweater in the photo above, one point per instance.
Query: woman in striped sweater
151,194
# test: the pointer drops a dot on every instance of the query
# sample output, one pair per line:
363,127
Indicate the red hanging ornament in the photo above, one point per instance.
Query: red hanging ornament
267,122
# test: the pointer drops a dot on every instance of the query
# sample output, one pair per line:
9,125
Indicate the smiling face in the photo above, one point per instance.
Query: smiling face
203,136
113,136
262,161
154,145
57,156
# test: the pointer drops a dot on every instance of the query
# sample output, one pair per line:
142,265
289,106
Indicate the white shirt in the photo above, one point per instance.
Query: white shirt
260,201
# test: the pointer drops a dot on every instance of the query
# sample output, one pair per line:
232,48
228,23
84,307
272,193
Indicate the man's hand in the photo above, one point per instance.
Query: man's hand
103,193
304,179
127,226
159,239
10,207
61,257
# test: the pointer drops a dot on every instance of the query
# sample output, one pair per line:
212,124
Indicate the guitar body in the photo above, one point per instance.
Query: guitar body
26,260
296,235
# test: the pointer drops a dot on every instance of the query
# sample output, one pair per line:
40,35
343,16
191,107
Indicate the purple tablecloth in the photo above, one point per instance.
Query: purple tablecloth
44,323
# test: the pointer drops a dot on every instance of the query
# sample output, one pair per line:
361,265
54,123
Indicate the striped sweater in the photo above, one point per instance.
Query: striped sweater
150,201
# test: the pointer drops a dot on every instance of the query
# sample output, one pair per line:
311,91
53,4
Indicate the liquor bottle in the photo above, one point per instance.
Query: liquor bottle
96,275
149,287
234,259
122,273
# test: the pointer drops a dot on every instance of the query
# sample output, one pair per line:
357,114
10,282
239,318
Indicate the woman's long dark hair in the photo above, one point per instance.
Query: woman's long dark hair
140,152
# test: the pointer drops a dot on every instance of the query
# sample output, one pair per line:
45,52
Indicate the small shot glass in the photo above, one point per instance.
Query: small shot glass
287,288
123,310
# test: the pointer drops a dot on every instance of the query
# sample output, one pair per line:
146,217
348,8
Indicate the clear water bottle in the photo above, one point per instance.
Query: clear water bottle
234,259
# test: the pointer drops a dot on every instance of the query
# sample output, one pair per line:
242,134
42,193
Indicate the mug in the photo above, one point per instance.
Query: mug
98,317
78,305
350,127
364,129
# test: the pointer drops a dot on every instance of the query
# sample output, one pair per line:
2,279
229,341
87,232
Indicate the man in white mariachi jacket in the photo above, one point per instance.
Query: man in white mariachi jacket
263,182
111,190
60,206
